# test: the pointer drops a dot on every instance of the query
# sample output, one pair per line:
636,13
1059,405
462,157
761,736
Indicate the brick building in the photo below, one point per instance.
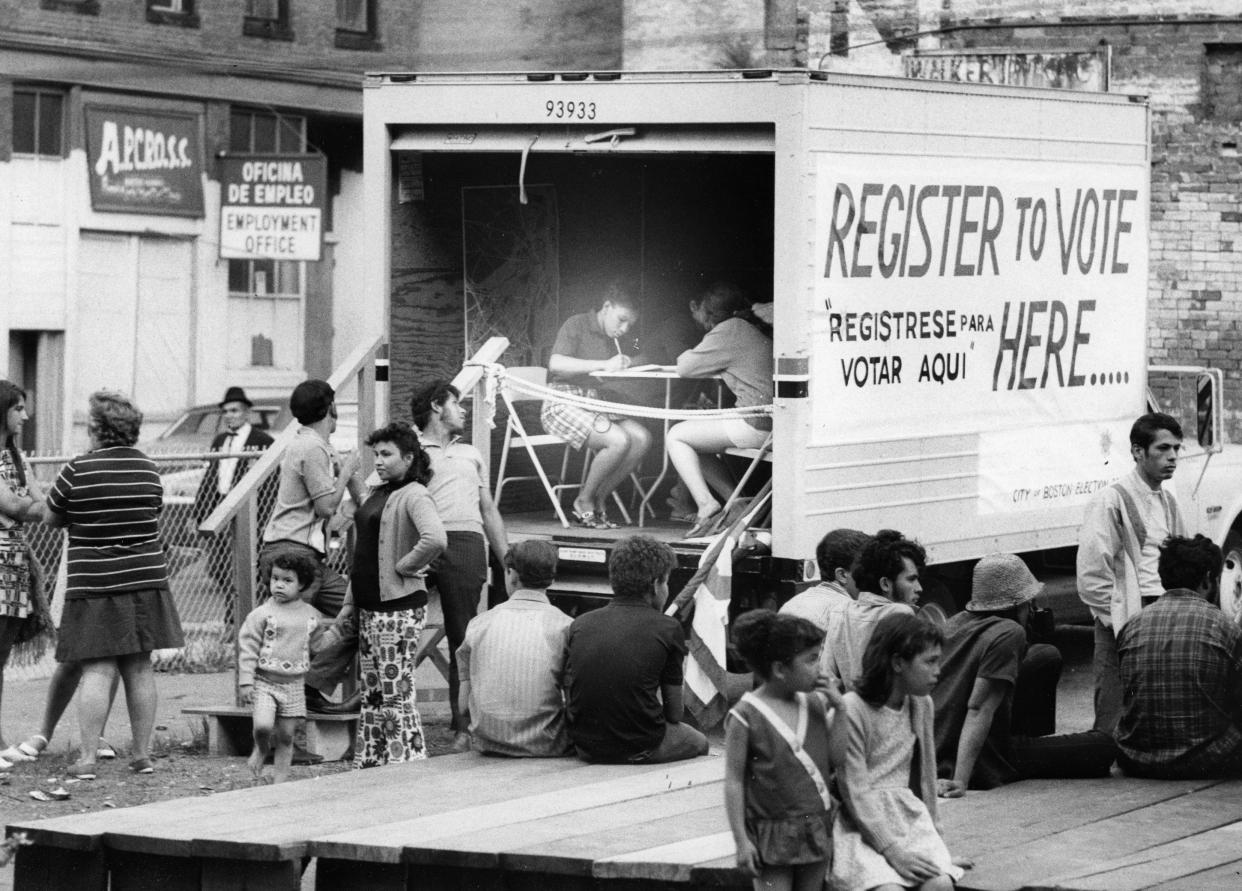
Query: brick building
115,281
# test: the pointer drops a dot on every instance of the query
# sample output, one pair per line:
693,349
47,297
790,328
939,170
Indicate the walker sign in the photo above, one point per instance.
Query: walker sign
272,206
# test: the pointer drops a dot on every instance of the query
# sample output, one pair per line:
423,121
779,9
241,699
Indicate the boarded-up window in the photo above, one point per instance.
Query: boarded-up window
1222,82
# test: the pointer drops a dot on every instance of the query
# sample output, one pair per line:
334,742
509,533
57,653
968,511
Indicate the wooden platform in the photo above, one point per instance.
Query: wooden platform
467,821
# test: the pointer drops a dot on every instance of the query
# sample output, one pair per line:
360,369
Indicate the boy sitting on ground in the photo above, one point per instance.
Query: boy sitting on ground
274,649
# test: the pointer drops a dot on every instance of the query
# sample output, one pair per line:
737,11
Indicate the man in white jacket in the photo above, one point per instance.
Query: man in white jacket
1119,549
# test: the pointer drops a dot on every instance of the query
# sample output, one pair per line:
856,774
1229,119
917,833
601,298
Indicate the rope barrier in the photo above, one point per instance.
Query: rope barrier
497,378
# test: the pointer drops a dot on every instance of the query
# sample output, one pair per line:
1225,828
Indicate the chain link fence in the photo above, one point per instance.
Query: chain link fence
201,570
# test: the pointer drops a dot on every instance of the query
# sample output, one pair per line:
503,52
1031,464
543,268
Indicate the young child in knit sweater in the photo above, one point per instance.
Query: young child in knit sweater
275,644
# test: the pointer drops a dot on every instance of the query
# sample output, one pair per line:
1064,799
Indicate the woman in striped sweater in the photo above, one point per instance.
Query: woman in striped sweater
117,603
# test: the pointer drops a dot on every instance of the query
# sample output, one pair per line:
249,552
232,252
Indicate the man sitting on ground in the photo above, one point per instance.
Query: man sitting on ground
837,554
623,671
887,578
997,695
511,663
1181,673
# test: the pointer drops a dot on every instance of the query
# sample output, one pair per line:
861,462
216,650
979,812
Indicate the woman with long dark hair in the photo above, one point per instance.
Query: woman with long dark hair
21,500
398,534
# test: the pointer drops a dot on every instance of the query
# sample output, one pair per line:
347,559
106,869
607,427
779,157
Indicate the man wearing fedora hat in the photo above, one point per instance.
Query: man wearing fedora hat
997,693
239,435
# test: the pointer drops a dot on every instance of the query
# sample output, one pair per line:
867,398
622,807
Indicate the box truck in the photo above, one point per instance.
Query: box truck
959,276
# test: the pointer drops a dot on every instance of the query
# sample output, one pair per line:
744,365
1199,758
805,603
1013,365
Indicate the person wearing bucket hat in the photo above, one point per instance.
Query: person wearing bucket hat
996,698
238,435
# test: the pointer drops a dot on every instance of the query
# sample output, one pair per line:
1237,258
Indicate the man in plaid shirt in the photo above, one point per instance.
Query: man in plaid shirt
1181,671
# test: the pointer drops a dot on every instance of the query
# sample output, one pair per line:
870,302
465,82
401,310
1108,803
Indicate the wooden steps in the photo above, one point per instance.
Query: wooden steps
466,821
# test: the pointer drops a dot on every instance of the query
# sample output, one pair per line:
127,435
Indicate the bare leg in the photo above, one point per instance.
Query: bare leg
264,729
284,749
60,693
141,698
684,443
98,676
638,442
610,451
8,633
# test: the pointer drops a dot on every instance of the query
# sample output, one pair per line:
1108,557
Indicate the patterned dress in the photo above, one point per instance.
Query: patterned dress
15,578
389,726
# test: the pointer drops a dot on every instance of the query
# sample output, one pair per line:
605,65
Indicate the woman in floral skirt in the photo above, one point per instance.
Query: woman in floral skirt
399,533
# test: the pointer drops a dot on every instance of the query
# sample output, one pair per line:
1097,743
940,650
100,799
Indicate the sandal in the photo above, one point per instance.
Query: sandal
702,525
141,765
105,749
82,771
32,748
587,519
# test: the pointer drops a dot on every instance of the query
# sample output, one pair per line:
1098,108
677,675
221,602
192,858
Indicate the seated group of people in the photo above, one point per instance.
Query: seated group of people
737,346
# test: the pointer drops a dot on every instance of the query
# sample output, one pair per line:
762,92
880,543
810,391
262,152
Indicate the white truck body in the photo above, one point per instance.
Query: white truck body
960,275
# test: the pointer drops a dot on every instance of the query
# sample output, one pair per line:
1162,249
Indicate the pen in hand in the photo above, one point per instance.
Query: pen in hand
617,343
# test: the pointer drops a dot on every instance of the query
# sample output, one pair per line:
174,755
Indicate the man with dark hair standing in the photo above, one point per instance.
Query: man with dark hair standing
512,661
239,435
623,666
459,487
1181,673
836,555
887,578
309,491
1118,549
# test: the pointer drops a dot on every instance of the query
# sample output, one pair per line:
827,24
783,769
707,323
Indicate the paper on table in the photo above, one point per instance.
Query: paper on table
652,368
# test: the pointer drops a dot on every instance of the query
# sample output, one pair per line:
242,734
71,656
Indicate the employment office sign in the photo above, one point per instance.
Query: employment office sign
272,207
144,162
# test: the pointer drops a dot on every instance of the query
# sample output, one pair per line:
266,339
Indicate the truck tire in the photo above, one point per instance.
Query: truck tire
1231,577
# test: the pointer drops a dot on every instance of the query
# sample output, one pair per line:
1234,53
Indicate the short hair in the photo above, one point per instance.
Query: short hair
114,419
299,564
618,293
534,561
311,400
637,563
839,549
404,437
897,634
430,395
722,300
1186,562
762,637
1143,432
882,558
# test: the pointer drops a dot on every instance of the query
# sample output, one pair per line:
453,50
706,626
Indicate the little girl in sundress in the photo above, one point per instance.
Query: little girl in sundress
776,756
886,835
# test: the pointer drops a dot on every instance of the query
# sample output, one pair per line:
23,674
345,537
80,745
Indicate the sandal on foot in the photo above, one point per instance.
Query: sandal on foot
702,525
141,765
587,519
105,749
33,747
82,771
14,755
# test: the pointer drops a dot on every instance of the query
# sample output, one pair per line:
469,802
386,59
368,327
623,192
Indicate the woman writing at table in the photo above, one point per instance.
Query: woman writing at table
587,342
738,347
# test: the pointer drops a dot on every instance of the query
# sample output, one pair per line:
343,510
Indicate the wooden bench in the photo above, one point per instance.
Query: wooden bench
229,731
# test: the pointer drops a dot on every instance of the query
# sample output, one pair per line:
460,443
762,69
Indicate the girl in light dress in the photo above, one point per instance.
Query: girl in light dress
886,835
776,756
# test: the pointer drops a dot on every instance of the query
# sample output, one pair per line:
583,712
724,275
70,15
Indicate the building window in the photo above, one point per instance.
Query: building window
172,12
356,26
269,19
83,7
1222,82
266,297
262,132
38,123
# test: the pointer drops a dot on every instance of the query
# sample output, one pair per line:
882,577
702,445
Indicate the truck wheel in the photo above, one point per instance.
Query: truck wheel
1231,578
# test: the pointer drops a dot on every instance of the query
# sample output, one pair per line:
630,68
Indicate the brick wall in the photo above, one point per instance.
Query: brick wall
445,35
1191,68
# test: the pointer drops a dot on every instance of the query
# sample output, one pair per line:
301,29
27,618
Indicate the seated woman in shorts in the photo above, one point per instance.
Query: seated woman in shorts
589,342
738,347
